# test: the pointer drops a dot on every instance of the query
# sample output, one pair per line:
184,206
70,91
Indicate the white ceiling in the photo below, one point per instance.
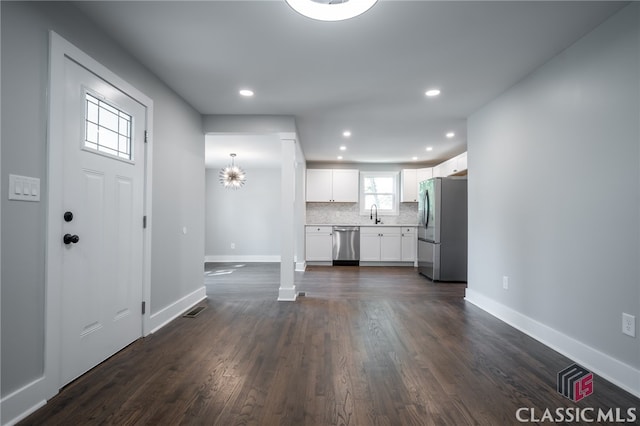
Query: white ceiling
367,74
252,151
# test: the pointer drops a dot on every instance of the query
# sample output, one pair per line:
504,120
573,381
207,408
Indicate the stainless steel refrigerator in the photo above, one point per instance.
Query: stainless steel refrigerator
442,229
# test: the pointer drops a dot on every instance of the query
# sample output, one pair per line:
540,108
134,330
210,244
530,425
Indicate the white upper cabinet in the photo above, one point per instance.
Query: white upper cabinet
409,186
449,167
461,161
411,179
332,185
423,174
452,166
345,186
319,184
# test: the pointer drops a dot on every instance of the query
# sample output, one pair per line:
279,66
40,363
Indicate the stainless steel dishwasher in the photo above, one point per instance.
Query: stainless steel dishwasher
346,245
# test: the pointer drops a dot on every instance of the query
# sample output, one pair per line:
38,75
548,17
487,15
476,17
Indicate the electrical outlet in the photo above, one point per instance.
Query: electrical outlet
629,325
233,246
505,282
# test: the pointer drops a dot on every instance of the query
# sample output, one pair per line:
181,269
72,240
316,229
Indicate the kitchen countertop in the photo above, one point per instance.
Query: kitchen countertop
363,224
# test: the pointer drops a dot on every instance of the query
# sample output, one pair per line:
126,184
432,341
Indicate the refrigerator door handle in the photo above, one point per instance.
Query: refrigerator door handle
426,203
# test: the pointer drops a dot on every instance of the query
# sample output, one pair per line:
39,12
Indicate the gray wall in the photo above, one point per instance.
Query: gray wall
553,191
248,217
178,173
252,124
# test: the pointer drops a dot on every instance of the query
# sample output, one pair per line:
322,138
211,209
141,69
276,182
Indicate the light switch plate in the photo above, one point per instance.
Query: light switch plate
24,188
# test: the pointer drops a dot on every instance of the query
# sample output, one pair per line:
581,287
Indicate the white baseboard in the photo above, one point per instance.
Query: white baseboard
613,370
22,402
301,266
242,259
376,263
171,312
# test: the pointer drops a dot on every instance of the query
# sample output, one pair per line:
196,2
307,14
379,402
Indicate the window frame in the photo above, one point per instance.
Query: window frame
395,211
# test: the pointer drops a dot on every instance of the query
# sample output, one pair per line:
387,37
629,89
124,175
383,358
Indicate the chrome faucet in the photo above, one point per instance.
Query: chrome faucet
371,217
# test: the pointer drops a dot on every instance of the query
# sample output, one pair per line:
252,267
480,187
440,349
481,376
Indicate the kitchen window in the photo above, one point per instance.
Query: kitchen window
381,189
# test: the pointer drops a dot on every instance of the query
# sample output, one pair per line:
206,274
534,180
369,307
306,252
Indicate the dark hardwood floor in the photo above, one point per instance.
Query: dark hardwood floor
365,346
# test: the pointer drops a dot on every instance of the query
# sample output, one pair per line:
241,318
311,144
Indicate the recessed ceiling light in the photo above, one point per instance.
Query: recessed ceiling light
346,133
429,148
450,135
339,157
414,158
432,92
343,148
246,92
331,10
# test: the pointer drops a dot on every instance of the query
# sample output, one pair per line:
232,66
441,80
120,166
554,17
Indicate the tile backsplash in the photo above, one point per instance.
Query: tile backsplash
349,213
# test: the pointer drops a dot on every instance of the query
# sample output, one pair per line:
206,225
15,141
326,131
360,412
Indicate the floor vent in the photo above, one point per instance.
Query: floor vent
194,312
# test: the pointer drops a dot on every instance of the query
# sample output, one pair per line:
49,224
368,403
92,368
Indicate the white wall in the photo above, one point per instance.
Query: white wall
247,217
178,187
554,204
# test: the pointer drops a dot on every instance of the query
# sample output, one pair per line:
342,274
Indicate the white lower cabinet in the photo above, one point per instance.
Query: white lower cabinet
380,244
377,243
319,243
409,243
369,246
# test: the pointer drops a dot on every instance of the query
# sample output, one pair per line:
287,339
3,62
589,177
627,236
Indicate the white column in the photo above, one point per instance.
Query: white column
287,291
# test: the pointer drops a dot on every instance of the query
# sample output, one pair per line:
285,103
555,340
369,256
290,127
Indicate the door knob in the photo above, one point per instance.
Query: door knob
69,239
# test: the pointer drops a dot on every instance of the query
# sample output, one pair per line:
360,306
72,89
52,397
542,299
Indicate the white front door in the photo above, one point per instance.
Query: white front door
102,221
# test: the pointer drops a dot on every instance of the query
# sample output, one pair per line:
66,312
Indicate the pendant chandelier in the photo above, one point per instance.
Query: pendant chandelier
232,176
331,10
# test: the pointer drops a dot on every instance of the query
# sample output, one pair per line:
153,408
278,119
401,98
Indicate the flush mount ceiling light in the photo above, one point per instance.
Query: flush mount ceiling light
331,10
450,135
432,92
232,176
346,133
246,93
